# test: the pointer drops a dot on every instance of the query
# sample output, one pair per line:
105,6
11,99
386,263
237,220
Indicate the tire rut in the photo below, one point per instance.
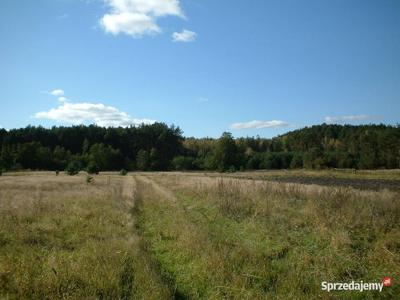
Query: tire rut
129,191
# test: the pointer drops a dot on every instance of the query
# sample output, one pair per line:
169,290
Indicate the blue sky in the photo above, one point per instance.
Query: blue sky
257,67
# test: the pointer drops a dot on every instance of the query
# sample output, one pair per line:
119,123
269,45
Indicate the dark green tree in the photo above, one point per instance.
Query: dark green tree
143,160
181,163
73,168
297,161
225,153
92,168
60,158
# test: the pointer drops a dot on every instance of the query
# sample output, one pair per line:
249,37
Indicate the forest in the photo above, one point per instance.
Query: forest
159,147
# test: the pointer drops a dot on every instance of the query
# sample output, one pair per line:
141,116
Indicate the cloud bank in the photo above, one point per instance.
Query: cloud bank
347,119
84,112
260,124
184,36
138,17
98,113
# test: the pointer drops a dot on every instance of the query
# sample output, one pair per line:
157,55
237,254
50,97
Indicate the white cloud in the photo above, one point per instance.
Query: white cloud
62,99
133,24
138,17
100,114
259,124
184,36
57,93
345,119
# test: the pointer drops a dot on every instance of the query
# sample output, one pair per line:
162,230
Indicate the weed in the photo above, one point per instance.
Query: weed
89,179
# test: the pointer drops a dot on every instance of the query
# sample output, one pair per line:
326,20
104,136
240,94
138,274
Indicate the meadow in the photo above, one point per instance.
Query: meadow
195,236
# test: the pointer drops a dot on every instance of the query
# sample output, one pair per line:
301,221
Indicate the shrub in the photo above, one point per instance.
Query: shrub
93,168
89,179
73,168
123,172
57,172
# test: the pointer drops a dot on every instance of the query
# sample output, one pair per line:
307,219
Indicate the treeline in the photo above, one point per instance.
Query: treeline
161,147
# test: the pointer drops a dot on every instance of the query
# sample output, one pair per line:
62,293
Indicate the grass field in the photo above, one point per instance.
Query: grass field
194,236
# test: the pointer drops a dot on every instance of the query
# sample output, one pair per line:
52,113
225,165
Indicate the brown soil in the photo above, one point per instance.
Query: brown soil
362,184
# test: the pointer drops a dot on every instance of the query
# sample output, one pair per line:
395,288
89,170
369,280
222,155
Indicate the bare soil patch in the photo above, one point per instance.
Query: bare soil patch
361,184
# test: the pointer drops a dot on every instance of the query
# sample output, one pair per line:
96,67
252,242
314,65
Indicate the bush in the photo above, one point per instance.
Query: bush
92,168
1,172
73,168
123,172
89,179
57,172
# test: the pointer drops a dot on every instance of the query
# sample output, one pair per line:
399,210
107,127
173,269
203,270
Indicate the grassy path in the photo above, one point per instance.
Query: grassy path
204,259
143,279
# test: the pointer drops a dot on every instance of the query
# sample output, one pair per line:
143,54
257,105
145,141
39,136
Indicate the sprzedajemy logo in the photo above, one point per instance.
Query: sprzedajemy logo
360,286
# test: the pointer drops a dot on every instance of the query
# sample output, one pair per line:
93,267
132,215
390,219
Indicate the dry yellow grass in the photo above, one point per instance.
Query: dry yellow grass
178,235
251,239
63,238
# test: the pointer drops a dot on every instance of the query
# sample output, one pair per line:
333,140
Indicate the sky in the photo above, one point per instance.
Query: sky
251,67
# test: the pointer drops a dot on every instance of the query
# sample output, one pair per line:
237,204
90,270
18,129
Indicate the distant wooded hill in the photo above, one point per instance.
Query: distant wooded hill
162,147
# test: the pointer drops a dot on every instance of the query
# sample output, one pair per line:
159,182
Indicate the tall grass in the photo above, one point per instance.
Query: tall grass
219,237
61,238
165,236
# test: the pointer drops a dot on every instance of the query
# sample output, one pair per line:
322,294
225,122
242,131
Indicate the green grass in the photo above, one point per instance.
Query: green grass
166,236
71,241
218,238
